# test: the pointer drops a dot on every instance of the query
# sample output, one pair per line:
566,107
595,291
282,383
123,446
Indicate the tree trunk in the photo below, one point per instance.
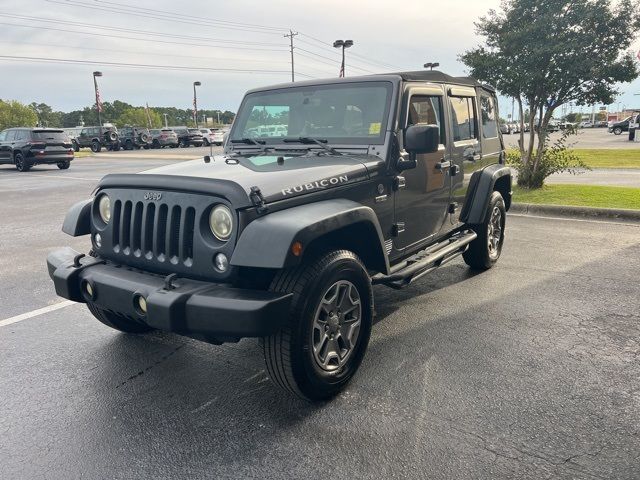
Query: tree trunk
521,113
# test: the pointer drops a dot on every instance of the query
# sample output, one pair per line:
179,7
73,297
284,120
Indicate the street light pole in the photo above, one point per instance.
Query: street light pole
98,102
195,103
165,120
431,65
342,44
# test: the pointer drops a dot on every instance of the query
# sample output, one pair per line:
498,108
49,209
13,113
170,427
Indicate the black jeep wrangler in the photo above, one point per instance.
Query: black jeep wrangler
97,138
134,137
373,180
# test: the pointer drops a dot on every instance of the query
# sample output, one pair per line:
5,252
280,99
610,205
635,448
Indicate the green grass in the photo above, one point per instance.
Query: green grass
82,153
612,158
581,196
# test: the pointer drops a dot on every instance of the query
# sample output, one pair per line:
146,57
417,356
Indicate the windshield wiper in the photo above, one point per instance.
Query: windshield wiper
248,141
311,140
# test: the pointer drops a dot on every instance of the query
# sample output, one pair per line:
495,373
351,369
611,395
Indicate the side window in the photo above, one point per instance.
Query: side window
21,134
3,136
463,118
427,110
11,135
488,115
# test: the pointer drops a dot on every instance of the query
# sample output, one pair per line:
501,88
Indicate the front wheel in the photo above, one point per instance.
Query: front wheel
485,250
327,332
117,322
617,131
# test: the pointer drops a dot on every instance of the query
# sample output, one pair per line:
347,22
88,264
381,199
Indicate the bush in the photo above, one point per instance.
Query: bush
554,158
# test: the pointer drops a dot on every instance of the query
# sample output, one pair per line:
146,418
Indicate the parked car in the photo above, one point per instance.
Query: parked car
207,135
97,138
288,246
601,124
188,136
585,124
618,127
134,137
220,135
163,137
504,129
26,147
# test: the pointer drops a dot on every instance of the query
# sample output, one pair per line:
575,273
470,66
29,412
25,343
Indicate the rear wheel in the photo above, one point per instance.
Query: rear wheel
117,322
95,146
485,250
327,333
64,165
22,165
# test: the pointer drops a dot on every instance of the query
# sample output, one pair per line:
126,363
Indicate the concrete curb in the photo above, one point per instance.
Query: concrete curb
576,212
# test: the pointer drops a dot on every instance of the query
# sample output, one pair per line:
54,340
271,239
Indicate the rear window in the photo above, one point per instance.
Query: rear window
194,130
54,135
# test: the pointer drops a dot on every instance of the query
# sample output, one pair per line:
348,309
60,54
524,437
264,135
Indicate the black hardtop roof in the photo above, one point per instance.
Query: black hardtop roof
415,76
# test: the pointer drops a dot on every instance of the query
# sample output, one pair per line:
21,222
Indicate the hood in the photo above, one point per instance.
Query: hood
294,176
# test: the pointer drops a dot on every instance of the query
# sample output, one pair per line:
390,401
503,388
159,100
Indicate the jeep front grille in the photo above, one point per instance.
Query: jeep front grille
155,231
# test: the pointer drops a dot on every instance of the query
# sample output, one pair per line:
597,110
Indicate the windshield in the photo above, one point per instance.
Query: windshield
349,113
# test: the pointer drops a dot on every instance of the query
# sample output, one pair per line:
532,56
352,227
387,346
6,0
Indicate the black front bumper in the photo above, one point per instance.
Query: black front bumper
212,312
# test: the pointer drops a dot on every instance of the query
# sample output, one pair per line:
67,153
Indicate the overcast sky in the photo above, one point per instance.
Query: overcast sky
237,35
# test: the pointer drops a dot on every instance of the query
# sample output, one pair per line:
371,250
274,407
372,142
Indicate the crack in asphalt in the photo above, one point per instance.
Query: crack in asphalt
154,364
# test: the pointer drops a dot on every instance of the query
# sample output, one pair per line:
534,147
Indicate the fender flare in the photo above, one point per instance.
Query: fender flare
77,221
266,242
481,186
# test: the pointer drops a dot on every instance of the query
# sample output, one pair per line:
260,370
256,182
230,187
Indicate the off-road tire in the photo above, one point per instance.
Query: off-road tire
479,255
117,322
617,131
128,145
64,165
289,356
95,146
22,165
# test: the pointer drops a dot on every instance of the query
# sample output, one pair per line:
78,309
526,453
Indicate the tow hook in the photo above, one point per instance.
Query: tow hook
168,281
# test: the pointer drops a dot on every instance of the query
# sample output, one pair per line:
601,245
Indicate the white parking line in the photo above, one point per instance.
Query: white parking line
35,313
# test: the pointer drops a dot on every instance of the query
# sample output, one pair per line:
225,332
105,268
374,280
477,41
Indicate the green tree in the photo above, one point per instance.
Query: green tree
46,116
574,117
546,53
15,114
137,116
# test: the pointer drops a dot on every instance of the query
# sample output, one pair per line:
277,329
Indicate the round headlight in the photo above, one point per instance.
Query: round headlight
104,208
221,222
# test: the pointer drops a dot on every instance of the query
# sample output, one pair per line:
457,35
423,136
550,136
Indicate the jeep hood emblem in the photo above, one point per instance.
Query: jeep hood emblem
155,196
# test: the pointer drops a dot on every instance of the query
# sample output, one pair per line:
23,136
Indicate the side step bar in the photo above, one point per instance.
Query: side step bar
426,261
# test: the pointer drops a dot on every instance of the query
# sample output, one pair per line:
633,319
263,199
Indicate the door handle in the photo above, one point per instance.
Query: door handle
443,165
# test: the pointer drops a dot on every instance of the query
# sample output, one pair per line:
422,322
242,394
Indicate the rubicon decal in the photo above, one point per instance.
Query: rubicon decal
319,184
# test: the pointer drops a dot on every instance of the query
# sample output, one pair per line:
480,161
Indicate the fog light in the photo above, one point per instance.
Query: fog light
221,261
142,304
89,289
98,240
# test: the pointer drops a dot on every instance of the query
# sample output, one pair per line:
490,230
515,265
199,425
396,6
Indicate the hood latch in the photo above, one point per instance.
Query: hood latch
258,200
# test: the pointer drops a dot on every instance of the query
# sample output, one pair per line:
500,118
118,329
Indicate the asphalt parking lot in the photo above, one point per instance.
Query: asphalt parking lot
598,138
530,370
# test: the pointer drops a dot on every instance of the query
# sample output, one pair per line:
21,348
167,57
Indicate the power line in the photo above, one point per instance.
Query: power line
173,17
328,46
136,31
208,19
143,39
137,65
145,53
327,58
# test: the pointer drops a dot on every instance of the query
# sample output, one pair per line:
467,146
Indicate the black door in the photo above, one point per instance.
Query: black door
422,198
5,149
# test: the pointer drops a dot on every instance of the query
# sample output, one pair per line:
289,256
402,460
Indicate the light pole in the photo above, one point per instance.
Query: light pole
165,120
98,102
342,44
431,65
195,103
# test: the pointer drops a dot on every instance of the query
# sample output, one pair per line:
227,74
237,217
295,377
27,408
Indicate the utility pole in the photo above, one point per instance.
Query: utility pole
165,120
148,116
290,36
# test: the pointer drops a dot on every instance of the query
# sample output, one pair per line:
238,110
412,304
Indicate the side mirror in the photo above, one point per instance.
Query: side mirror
422,139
